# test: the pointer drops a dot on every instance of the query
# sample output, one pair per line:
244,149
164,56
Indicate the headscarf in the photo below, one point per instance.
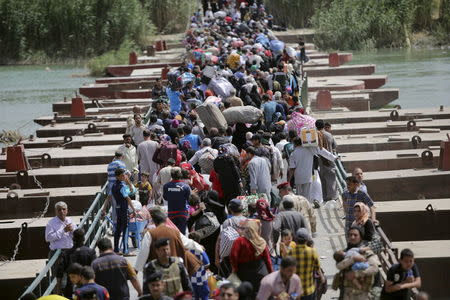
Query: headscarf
251,233
165,139
223,150
263,210
277,95
364,214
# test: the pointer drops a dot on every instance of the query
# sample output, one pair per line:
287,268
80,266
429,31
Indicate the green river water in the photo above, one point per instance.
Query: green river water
26,92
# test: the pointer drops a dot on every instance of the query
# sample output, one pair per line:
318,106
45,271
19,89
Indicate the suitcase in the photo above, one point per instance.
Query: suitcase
242,114
211,116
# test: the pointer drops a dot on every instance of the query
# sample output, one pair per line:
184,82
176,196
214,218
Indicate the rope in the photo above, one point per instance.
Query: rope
41,215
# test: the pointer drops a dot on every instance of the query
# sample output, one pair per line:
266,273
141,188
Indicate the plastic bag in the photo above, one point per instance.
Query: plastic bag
221,87
276,46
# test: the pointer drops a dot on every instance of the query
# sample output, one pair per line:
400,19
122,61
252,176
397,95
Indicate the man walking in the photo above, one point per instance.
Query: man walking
327,169
80,254
145,152
175,276
352,195
301,167
284,281
259,172
113,271
288,219
117,163
121,190
89,289
129,157
307,264
177,193
136,131
301,205
156,287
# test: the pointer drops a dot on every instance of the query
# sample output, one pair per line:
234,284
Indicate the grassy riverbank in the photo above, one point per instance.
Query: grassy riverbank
59,31
369,24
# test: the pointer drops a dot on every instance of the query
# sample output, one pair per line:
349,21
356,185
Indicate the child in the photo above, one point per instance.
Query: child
74,274
401,277
89,289
352,274
286,244
145,189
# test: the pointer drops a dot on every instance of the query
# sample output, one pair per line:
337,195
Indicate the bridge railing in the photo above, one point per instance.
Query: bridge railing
93,225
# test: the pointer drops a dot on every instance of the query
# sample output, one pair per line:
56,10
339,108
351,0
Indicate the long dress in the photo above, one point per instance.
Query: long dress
229,177
249,267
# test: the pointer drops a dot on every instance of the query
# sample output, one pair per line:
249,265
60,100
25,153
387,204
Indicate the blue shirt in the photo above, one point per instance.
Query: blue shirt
269,109
177,193
121,191
193,139
90,288
349,200
112,167
174,99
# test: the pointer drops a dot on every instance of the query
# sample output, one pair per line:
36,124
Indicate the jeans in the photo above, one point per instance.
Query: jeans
181,223
121,229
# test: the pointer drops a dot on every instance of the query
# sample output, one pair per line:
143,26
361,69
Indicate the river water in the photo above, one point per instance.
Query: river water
26,92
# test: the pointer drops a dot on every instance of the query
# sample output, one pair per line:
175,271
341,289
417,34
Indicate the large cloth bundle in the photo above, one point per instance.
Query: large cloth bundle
242,114
299,121
263,40
211,116
276,46
220,14
250,199
234,61
221,87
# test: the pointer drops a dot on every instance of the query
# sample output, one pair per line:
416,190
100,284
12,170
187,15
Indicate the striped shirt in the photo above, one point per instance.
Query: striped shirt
112,167
307,262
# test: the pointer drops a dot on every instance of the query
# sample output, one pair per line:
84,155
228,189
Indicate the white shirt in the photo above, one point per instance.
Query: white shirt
129,157
194,159
56,236
302,161
137,133
145,152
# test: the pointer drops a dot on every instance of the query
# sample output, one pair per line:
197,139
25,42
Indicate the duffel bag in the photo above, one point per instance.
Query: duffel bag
211,116
242,114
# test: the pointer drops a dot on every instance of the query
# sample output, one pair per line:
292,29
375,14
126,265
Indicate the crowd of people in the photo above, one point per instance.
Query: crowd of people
236,203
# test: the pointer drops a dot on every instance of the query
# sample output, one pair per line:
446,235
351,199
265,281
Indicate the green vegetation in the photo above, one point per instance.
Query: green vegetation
170,16
42,31
98,64
356,24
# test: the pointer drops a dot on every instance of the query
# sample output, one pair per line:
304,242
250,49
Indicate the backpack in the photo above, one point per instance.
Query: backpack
166,152
206,225
206,161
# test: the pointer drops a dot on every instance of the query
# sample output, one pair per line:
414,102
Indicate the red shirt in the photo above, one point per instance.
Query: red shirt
242,251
